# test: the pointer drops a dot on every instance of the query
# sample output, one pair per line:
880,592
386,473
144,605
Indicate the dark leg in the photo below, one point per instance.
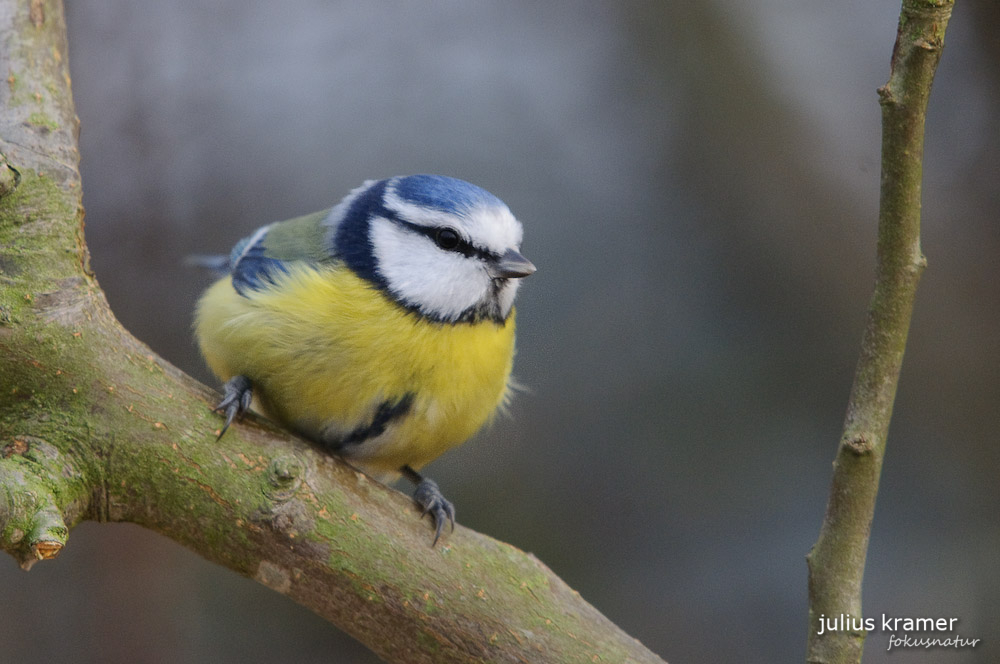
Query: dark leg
237,394
431,500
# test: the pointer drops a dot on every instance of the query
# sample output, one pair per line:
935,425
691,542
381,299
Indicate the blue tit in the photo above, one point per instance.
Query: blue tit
381,329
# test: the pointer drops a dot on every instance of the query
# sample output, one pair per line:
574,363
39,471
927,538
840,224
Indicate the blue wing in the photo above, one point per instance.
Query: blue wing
251,267
258,260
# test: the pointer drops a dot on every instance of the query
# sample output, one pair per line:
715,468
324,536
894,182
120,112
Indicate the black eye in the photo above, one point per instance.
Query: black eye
447,238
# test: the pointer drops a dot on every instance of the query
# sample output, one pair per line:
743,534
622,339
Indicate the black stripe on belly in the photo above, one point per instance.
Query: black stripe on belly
384,416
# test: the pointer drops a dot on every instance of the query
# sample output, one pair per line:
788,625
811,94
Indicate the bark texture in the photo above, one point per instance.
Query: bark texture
837,560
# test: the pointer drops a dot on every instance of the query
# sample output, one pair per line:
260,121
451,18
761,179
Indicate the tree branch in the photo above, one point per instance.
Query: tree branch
837,560
93,425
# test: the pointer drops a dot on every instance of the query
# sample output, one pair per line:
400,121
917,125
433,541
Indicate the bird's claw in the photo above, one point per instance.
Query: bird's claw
431,501
237,394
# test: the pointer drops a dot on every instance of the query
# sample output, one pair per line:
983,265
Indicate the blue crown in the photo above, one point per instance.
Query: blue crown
444,193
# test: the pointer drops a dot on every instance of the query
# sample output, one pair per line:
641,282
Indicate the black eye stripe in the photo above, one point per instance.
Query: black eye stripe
462,247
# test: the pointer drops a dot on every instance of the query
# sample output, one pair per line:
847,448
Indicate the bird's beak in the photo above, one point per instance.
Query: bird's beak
512,265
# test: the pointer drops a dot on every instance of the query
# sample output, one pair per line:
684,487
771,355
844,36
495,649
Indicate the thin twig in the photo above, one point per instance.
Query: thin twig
837,561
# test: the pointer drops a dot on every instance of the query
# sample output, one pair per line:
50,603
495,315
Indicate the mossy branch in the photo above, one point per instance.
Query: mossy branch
93,425
837,561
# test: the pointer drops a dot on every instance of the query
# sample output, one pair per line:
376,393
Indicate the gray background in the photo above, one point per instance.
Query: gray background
698,183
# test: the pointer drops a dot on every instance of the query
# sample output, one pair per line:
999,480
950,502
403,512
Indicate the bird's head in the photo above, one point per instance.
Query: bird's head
439,246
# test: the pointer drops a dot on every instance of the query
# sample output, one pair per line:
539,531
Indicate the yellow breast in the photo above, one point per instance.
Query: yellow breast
324,349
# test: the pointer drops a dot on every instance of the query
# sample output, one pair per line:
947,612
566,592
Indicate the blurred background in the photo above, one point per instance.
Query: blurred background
699,185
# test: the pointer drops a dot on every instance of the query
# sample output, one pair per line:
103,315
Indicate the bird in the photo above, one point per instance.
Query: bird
381,329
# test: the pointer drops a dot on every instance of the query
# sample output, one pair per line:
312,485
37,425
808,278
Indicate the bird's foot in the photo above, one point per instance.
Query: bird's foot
237,394
431,501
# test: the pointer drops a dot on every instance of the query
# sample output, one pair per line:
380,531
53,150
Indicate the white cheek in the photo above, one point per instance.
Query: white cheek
505,297
419,273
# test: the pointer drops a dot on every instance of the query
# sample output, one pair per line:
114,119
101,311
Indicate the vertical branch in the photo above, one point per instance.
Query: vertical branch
837,561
